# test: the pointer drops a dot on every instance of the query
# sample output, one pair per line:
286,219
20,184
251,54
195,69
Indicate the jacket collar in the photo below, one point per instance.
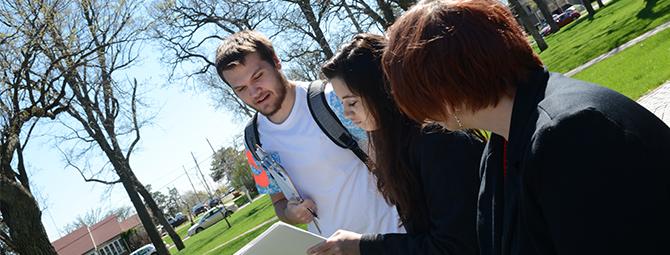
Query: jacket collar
528,95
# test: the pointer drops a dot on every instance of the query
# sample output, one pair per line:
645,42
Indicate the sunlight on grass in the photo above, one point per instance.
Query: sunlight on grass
619,22
636,70
246,218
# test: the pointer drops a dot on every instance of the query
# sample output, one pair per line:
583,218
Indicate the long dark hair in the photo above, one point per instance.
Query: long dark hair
359,64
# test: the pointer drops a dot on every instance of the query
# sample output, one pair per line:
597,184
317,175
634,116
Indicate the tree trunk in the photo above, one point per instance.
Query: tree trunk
350,14
24,219
142,212
589,7
157,212
387,11
600,3
547,15
319,36
525,22
405,4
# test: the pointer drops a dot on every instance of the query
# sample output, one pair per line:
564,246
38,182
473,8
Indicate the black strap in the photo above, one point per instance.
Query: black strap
325,118
328,121
251,138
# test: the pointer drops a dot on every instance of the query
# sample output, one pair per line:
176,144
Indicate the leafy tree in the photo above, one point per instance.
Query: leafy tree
230,165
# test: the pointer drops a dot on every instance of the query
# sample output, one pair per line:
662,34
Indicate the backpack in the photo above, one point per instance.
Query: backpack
325,118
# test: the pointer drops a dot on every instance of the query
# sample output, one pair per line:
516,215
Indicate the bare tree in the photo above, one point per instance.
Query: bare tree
190,30
31,89
589,7
96,215
524,20
306,33
600,3
548,16
105,109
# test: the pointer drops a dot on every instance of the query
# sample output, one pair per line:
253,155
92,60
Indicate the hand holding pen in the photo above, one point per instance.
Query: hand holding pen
297,207
301,211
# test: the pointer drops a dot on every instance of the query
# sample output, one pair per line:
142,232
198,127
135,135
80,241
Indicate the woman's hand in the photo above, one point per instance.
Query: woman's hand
340,243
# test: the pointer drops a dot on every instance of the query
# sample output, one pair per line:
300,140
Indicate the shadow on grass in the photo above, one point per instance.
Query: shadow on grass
648,11
252,211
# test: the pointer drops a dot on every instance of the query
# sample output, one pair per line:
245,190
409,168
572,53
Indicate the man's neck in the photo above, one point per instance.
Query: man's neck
286,106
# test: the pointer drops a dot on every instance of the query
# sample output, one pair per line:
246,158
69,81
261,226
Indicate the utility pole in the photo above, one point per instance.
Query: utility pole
193,186
204,181
224,206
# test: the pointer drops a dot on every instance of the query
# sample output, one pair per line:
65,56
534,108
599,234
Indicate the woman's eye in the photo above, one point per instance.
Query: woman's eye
353,103
240,89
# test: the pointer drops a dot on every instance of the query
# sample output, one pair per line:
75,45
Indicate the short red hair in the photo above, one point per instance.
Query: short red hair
462,54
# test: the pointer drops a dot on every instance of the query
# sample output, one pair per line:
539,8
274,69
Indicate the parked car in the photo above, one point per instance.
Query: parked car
561,19
545,29
177,220
211,217
567,17
214,202
148,249
198,209
578,8
161,230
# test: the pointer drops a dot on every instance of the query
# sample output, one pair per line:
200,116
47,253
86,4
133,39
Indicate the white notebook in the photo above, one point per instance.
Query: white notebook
281,238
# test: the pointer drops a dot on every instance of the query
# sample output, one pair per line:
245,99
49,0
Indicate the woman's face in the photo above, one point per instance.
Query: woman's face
354,107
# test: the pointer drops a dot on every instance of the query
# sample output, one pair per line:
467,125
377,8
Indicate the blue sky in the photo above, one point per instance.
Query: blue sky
183,120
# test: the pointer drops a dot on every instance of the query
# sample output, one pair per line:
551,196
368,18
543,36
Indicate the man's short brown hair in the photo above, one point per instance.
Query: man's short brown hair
232,51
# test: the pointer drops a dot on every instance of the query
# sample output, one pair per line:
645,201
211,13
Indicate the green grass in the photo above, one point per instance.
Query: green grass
237,244
254,214
636,70
617,23
181,230
241,200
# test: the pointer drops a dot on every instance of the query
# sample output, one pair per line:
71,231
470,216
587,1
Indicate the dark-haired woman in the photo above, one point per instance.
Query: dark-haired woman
430,175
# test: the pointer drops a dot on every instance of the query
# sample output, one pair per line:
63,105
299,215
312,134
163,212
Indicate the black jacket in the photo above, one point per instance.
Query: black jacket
447,166
587,173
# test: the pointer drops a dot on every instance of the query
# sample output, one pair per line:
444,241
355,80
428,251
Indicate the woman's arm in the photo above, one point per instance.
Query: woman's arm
448,165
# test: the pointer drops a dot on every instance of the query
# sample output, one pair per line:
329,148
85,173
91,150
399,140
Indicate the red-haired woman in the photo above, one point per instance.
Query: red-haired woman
571,168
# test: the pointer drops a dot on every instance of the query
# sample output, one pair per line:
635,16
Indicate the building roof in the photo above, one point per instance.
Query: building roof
80,240
131,222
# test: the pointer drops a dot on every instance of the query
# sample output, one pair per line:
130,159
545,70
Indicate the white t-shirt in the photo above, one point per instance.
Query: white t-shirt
344,191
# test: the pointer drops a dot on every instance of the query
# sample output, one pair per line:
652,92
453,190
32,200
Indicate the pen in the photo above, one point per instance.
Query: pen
315,220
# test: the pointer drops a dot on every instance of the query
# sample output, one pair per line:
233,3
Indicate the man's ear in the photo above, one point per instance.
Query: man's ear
277,62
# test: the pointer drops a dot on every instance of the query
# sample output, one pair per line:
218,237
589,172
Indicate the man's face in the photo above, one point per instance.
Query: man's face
258,84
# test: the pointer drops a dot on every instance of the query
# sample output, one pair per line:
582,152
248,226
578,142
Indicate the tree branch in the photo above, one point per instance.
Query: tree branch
133,105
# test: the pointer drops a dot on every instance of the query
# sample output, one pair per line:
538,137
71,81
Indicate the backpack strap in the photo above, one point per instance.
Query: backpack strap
251,138
328,121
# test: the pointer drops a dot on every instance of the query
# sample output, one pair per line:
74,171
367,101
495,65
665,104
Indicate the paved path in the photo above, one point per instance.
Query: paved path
658,102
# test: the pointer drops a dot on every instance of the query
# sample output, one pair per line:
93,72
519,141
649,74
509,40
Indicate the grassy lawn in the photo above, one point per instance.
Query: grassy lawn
181,231
183,228
237,244
617,23
254,214
636,70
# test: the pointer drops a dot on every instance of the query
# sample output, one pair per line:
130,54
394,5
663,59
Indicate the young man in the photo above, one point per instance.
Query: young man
336,184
